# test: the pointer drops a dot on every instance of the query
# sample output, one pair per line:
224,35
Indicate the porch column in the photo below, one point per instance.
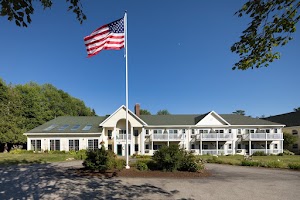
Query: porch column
200,147
217,147
114,134
233,147
131,141
142,141
281,151
266,146
250,147
168,139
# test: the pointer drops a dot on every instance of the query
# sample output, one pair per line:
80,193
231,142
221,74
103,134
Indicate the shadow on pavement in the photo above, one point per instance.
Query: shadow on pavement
45,181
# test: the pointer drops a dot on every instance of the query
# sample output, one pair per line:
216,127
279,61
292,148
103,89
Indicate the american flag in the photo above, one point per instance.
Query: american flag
108,36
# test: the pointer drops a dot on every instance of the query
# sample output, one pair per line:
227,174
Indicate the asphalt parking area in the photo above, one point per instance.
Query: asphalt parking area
54,181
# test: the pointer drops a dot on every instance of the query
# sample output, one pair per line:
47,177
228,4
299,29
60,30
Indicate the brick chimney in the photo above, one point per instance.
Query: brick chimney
137,109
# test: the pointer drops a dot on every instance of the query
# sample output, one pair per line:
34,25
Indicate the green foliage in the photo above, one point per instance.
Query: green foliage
259,153
20,151
250,163
141,165
189,163
239,112
56,152
24,107
295,166
297,109
79,155
173,158
272,24
144,112
21,11
168,158
288,140
102,160
163,112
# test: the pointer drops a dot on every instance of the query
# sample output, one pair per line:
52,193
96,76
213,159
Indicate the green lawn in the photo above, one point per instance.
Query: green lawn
8,158
263,161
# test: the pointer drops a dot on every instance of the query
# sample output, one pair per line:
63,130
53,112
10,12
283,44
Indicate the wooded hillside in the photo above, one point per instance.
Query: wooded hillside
24,107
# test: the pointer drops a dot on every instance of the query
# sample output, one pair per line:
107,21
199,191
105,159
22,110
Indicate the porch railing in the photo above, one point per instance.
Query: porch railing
266,151
263,136
123,137
166,137
214,136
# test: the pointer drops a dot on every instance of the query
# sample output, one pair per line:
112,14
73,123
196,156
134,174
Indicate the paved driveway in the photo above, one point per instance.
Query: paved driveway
53,181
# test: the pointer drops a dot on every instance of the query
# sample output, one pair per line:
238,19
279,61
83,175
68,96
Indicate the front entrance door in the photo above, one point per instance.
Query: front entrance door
119,150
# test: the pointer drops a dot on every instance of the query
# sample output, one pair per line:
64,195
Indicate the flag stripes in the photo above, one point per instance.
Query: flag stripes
109,36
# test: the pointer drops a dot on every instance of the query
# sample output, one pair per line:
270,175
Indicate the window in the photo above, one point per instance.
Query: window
275,130
267,130
193,131
122,131
193,146
54,145
75,127
147,146
239,131
295,146
87,127
205,146
157,131
294,132
157,146
109,147
219,131
203,131
147,132
109,133
183,130
136,132
136,147
93,144
250,131
63,127
36,145
229,130
74,145
275,146
229,146
173,131
50,127
239,146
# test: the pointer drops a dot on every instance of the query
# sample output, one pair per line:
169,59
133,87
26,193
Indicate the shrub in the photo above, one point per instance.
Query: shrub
168,158
152,165
259,153
20,151
79,155
189,163
142,166
294,166
102,160
56,152
274,164
250,163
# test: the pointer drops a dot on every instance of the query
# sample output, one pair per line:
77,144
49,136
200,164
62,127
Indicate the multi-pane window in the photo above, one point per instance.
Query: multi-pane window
54,145
229,130
203,131
157,131
147,146
36,145
239,131
219,131
250,131
229,146
93,144
275,130
147,132
75,127
63,127
183,130
50,127
239,146
193,131
193,146
136,133
267,130
74,145
157,146
275,146
136,147
109,133
172,131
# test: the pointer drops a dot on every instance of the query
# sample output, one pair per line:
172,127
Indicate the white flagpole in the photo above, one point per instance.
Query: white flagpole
127,132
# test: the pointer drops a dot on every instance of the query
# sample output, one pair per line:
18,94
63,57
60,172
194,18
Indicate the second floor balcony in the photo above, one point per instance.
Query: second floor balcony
123,137
167,137
214,136
263,136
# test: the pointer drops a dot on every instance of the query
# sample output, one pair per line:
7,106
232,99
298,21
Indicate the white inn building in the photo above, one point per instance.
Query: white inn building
210,133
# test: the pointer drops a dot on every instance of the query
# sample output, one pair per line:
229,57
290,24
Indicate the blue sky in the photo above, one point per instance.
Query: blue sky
179,59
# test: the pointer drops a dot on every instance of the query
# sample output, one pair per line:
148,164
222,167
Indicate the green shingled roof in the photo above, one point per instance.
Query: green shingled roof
289,119
71,121
235,119
232,119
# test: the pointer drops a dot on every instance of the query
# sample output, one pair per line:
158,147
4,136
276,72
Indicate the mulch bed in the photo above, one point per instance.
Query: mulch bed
133,172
